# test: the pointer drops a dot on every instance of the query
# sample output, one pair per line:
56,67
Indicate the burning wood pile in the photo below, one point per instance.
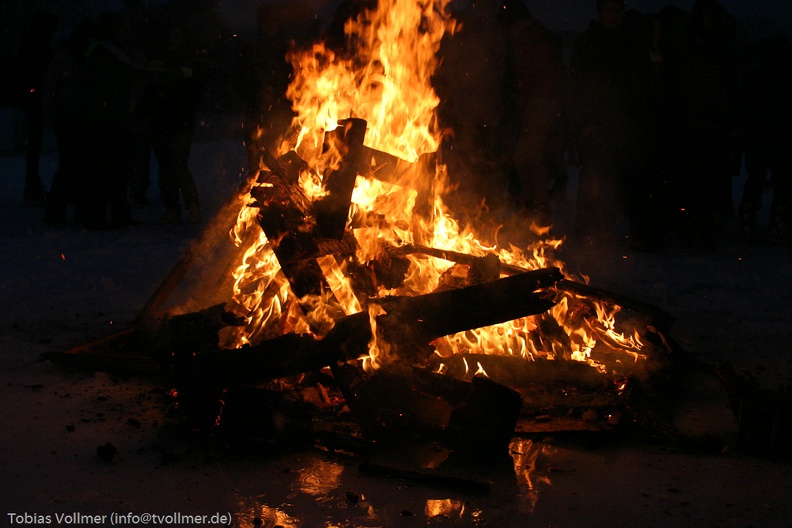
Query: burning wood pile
357,298
355,277
411,339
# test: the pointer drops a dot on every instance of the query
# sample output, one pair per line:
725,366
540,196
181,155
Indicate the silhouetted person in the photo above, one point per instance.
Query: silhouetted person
64,92
112,77
707,94
536,90
173,105
470,85
647,188
34,56
766,117
140,146
606,87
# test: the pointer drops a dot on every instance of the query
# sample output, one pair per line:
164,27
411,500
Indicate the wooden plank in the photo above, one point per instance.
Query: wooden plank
332,210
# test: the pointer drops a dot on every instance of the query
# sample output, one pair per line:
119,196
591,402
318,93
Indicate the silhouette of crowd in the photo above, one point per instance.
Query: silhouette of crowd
656,110
118,89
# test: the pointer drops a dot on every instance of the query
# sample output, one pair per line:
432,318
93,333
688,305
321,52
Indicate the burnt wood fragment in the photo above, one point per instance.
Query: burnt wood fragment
390,270
487,418
275,358
396,404
332,210
297,246
283,180
278,222
383,166
195,332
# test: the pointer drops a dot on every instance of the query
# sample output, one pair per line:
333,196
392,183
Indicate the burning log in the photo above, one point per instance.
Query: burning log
463,258
387,270
332,210
195,332
383,166
447,312
409,321
285,212
282,356
285,182
281,223
654,316
297,247
514,371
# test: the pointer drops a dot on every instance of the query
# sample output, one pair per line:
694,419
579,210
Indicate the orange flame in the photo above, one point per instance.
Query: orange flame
386,80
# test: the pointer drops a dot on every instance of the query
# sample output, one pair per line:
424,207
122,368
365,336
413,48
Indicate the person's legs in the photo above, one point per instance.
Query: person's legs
120,176
529,157
95,193
164,153
756,170
781,206
182,141
34,138
65,180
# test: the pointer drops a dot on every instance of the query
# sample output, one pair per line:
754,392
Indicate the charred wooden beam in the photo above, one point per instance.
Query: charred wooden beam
461,258
275,358
195,332
295,247
383,166
304,275
413,320
332,210
285,210
120,353
484,304
658,318
420,319
487,418
292,165
516,372
425,180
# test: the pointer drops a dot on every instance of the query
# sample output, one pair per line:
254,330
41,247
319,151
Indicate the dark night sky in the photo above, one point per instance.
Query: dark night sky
572,15
755,18
575,15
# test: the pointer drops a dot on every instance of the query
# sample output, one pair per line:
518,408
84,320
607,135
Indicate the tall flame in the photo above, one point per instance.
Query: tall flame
385,81
384,78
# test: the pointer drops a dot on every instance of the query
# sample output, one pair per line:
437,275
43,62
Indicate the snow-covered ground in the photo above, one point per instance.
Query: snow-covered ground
65,286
